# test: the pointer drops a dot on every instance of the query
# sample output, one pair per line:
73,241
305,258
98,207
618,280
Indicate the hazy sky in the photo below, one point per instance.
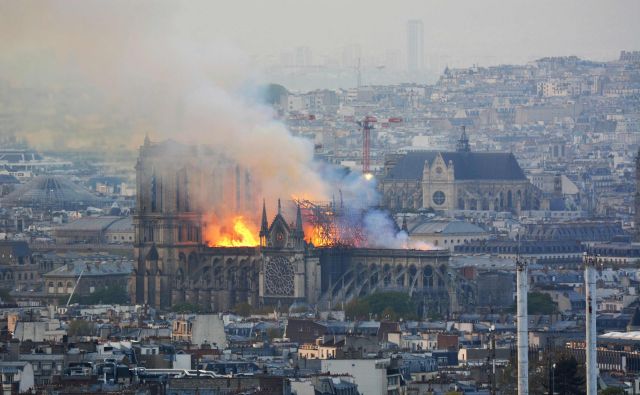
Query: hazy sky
152,60
498,30
505,29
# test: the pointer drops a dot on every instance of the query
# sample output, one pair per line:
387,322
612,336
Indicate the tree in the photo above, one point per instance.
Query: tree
541,303
243,309
569,380
186,308
5,296
612,391
384,305
357,309
80,328
273,92
114,294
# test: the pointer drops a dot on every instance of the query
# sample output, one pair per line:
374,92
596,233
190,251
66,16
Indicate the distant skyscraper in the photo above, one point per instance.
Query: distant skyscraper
415,45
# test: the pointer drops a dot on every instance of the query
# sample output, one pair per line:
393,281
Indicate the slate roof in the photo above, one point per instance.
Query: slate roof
8,179
467,165
89,269
11,156
91,224
445,227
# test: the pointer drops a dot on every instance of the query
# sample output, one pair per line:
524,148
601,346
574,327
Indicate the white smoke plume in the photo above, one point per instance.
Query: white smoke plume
382,232
163,71
159,67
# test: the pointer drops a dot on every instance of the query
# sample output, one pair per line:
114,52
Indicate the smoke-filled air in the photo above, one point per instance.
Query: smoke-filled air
160,71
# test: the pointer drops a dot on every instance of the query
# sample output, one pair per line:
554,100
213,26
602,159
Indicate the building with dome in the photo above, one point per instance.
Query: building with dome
445,233
51,193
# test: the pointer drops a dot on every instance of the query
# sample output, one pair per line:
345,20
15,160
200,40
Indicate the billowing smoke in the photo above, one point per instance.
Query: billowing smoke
150,67
125,69
382,232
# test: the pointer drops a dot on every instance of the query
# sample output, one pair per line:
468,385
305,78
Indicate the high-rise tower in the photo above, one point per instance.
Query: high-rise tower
415,45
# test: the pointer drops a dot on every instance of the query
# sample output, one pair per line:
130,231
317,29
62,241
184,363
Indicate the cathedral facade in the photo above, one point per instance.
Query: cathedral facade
459,180
174,264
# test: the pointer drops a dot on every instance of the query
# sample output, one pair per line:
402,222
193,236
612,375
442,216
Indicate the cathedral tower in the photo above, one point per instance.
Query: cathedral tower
166,221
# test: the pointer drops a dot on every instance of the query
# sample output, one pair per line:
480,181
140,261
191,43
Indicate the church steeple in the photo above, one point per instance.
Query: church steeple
279,207
264,227
299,220
463,142
298,233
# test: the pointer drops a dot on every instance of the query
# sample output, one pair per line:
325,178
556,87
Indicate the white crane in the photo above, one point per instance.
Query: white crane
75,286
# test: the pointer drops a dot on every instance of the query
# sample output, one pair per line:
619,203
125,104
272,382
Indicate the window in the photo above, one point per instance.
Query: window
439,198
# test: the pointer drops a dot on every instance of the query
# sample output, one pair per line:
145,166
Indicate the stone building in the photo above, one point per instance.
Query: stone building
177,184
96,230
18,272
460,180
89,276
445,233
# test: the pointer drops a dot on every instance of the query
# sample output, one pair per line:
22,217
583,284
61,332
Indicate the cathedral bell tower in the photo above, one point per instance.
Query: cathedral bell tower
167,225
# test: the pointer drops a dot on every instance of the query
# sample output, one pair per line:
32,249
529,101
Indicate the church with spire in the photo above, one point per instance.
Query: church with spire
458,180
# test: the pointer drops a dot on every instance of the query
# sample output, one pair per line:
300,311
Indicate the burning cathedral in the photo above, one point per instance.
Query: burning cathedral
195,242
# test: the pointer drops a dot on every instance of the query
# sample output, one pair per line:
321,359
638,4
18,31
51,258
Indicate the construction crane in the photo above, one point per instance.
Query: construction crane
367,125
75,286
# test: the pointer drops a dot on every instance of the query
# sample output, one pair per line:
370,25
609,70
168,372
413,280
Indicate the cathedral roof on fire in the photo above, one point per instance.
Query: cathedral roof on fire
467,165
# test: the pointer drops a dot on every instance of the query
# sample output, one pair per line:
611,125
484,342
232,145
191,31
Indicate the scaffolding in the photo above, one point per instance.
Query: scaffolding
331,224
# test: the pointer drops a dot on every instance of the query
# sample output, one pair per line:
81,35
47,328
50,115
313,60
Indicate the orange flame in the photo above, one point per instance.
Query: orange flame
243,234
312,234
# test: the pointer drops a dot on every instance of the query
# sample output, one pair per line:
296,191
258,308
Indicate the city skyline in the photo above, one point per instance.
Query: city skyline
292,197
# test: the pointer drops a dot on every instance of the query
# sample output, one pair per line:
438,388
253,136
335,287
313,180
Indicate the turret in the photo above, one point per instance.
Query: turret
264,226
299,230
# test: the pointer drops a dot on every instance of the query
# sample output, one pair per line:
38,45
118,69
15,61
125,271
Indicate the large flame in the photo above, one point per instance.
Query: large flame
314,235
240,232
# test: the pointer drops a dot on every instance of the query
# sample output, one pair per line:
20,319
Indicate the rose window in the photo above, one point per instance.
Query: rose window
278,275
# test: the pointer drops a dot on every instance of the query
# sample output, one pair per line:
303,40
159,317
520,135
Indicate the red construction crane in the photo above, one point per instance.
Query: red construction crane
366,124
